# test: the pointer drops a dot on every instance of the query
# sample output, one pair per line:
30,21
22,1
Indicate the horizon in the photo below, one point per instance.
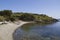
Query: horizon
48,7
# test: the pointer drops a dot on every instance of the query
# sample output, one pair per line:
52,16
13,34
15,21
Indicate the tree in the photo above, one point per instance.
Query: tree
7,12
1,13
27,17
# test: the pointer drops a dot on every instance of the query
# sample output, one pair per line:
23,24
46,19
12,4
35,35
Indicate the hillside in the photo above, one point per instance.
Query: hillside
8,15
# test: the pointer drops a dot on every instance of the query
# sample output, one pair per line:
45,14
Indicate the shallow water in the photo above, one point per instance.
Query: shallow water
38,32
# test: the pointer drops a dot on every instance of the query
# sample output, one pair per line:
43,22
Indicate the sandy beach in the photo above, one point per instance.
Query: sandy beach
6,30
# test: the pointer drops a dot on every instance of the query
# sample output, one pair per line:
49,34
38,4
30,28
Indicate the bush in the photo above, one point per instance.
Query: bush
27,17
12,19
2,18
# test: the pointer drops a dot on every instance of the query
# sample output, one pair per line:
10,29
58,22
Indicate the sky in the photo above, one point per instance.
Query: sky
48,7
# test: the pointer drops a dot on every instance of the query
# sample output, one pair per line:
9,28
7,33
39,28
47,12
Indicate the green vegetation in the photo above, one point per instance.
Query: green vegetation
27,17
2,18
8,15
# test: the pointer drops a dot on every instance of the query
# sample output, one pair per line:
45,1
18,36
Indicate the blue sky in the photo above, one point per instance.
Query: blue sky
48,7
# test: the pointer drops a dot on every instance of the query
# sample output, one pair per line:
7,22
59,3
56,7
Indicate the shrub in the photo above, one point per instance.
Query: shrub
27,17
2,18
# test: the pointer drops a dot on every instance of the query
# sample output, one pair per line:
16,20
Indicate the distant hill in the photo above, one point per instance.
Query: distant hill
8,15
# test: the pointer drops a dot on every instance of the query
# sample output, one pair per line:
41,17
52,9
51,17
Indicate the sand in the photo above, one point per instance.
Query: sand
7,30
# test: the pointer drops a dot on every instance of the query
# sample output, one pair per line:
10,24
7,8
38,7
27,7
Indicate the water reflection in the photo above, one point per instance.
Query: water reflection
38,32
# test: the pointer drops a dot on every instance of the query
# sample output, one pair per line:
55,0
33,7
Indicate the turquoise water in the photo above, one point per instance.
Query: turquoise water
38,32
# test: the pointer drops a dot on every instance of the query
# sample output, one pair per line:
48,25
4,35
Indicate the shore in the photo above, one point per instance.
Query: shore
7,30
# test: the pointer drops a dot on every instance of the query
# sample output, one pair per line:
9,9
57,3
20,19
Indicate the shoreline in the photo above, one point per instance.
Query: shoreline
7,30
